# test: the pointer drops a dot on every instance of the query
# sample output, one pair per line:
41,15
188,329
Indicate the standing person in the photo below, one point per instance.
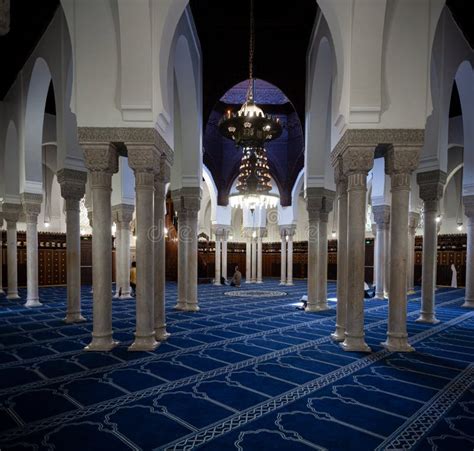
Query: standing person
454,278
133,278
236,278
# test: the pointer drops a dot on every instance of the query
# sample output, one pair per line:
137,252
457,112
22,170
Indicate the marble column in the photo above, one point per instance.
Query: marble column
314,202
102,161
161,179
191,199
11,212
73,185
32,208
254,258
144,160
400,162
413,221
290,233
217,258
283,256
382,221
469,212
248,259
386,269
225,235
123,214
356,161
341,293
431,191
118,252
1,254
323,251
182,251
259,257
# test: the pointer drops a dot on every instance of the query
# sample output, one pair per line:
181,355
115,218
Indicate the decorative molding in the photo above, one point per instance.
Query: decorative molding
413,221
123,213
31,203
72,183
402,160
431,185
357,160
143,158
100,157
11,212
381,215
127,135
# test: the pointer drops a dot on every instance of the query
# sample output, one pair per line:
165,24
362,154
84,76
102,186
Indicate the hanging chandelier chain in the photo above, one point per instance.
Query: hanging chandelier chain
251,51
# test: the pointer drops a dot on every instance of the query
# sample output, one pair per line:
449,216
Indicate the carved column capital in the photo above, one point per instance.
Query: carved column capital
100,157
72,183
11,212
143,158
123,213
357,160
381,216
400,162
413,221
31,206
431,185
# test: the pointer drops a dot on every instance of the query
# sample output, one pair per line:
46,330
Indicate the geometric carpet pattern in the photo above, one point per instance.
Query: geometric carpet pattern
243,373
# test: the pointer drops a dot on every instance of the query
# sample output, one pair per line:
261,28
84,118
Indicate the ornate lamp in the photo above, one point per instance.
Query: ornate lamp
250,128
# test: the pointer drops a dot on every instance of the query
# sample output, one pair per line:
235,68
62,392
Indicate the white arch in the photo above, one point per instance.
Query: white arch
11,165
211,186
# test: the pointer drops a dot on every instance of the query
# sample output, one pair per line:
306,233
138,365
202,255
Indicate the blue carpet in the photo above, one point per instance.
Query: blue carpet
243,373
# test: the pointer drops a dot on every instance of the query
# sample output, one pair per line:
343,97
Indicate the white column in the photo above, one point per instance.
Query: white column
469,212
431,191
314,202
73,184
102,161
182,251
342,296
357,161
161,180
386,270
32,208
259,258
118,252
399,164
191,202
283,256
11,213
248,259
1,254
413,220
144,159
322,300
225,234
217,259
289,281
382,221
254,258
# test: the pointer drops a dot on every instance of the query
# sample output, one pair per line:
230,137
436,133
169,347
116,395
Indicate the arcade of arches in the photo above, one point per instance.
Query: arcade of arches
110,153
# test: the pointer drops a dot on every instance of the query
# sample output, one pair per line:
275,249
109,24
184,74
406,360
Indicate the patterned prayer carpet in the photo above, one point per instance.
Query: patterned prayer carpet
245,373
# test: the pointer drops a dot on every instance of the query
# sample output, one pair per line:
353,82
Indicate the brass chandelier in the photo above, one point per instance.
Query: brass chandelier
250,128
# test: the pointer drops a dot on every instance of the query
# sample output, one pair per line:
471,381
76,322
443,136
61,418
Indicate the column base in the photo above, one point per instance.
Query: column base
13,296
339,334
31,303
379,296
161,334
75,317
289,284
259,281
248,281
314,308
282,283
397,343
411,291
2,292
217,284
147,343
191,307
428,318
125,297
180,305
98,344
355,344
468,303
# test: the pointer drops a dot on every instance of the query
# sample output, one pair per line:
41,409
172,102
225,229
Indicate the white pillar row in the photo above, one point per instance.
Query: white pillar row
225,236
342,295
283,256
431,191
217,257
400,162
73,184
290,233
32,208
323,250
314,202
248,259
259,256
101,160
123,215
144,159
191,203
382,221
1,254
161,179
413,221
254,256
11,212
469,212
356,161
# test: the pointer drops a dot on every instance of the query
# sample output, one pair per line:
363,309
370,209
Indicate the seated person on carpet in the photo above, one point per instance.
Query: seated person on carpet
133,278
367,289
236,278
223,282
304,300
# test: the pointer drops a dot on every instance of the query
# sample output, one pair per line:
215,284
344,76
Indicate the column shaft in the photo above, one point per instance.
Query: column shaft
224,255
217,279
289,280
254,260
118,258
182,266
283,259
248,260
125,261
380,260
1,255
323,262
12,292
386,263
192,244
313,246
469,296
32,298
259,259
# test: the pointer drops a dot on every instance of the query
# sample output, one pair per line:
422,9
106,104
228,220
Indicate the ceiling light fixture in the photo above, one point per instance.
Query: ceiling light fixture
250,128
